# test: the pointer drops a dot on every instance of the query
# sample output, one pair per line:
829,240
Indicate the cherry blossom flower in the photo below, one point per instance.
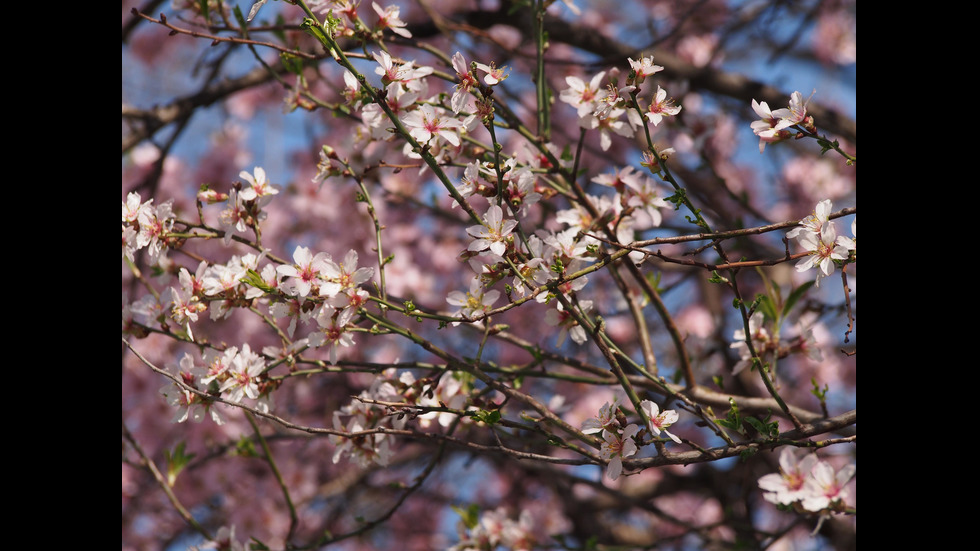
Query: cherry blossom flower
389,71
234,218
607,125
346,273
659,420
351,87
225,540
583,97
388,19
307,274
605,420
470,182
825,488
494,75
362,450
617,446
807,344
424,123
448,391
216,364
406,74
613,99
466,82
823,249
129,246
333,324
519,193
185,308
209,196
644,68
400,100
813,222
566,323
566,244
642,195
189,405
475,301
795,113
653,161
154,224
788,485
619,180
769,128
493,234
133,210
292,309
259,189
760,341
661,107
245,368
222,279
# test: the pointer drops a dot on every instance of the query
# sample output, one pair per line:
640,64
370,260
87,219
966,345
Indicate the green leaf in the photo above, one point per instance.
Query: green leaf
203,6
767,306
744,455
291,63
176,462
765,429
488,417
796,295
240,18
816,391
717,278
253,278
245,447
314,30
732,420
470,516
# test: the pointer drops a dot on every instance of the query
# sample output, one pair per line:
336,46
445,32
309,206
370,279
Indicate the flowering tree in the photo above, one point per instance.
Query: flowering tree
473,275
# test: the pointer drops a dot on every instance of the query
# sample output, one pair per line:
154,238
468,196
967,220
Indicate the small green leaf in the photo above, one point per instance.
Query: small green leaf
291,63
470,516
255,280
488,417
176,462
745,454
717,278
816,391
245,447
314,29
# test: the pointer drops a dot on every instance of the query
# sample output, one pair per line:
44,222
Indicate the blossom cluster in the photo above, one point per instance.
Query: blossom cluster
806,483
145,226
495,529
773,126
515,184
497,245
390,402
224,540
314,290
763,342
817,234
620,438
602,108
